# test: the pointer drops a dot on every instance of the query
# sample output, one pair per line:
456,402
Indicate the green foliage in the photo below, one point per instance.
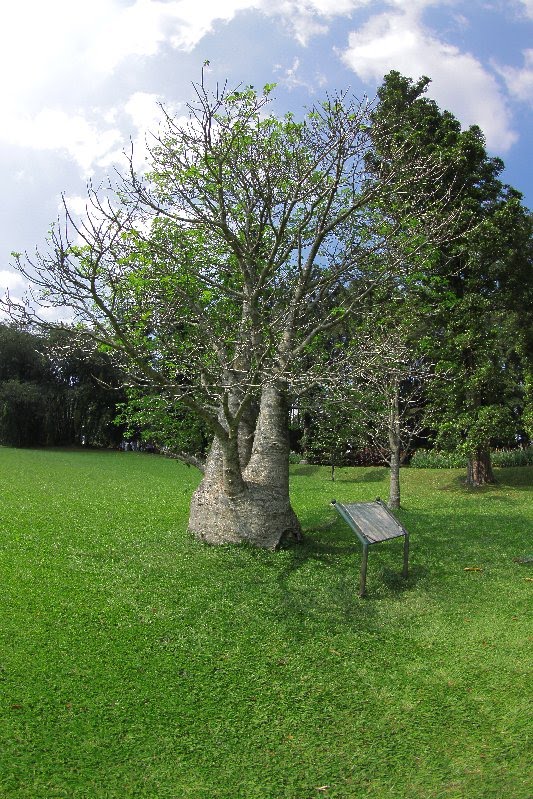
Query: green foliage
140,664
477,428
332,429
480,294
513,457
437,459
162,424
22,413
527,416
227,265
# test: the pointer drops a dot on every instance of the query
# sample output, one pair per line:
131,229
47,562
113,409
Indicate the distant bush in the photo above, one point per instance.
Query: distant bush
433,459
513,457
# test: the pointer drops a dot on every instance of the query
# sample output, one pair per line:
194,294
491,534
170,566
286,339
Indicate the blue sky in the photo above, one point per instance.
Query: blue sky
79,79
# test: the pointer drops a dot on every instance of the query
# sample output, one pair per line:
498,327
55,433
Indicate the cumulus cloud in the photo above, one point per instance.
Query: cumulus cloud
292,78
12,282
307,18
85,141
51,53
460,83
91,138
143,114
527,6
145,26
37,39
520,80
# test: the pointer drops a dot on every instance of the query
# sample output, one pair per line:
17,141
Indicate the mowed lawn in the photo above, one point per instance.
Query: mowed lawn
136,662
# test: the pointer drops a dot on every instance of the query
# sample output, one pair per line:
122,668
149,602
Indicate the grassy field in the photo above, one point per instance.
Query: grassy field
136,662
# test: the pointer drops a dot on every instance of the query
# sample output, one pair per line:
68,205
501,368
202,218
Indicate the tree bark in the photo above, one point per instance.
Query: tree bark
395,459
394,483
259,511
479,469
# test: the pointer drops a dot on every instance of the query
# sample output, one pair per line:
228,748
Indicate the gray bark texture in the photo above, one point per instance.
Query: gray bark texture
238,502
395,457
394,485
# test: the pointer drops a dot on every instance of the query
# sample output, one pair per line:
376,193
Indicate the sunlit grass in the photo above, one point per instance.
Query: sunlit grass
139,663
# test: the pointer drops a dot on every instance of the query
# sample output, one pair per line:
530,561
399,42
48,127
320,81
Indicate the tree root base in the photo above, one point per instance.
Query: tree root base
258,516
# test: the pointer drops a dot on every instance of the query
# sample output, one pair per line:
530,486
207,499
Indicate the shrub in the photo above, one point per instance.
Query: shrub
434,459
513,457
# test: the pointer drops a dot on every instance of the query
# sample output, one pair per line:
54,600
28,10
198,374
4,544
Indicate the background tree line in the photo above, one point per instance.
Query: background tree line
52,394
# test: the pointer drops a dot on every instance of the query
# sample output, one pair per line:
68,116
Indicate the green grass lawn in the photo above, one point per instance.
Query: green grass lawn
136,662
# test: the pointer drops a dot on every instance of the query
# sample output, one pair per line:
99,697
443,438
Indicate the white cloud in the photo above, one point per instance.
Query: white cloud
90,138
142,28
52,53
292,79
460,83
37,39
143,110
528,7
144,115
12,282
84,140
308,18
520,80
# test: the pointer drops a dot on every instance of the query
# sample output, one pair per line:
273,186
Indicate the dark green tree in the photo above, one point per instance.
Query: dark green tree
481,286
26,384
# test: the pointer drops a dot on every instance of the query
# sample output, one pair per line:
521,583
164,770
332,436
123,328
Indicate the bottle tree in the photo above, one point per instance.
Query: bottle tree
211,277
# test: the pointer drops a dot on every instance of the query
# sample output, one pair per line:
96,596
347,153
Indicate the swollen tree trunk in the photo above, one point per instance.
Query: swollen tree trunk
257,509
479,469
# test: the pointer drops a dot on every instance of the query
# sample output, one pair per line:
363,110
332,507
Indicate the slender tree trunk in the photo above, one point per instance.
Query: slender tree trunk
479,469
395,461
257,509
394,483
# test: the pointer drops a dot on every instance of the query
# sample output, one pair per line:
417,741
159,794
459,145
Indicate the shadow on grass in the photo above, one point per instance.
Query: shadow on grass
515,477
312,602
445,545
372,475
305,469
397,585
343,474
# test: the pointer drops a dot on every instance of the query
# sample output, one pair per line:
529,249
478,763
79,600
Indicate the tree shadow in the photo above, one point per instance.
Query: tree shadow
514,477
334,602
444,544
397,584
372,475
304,470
